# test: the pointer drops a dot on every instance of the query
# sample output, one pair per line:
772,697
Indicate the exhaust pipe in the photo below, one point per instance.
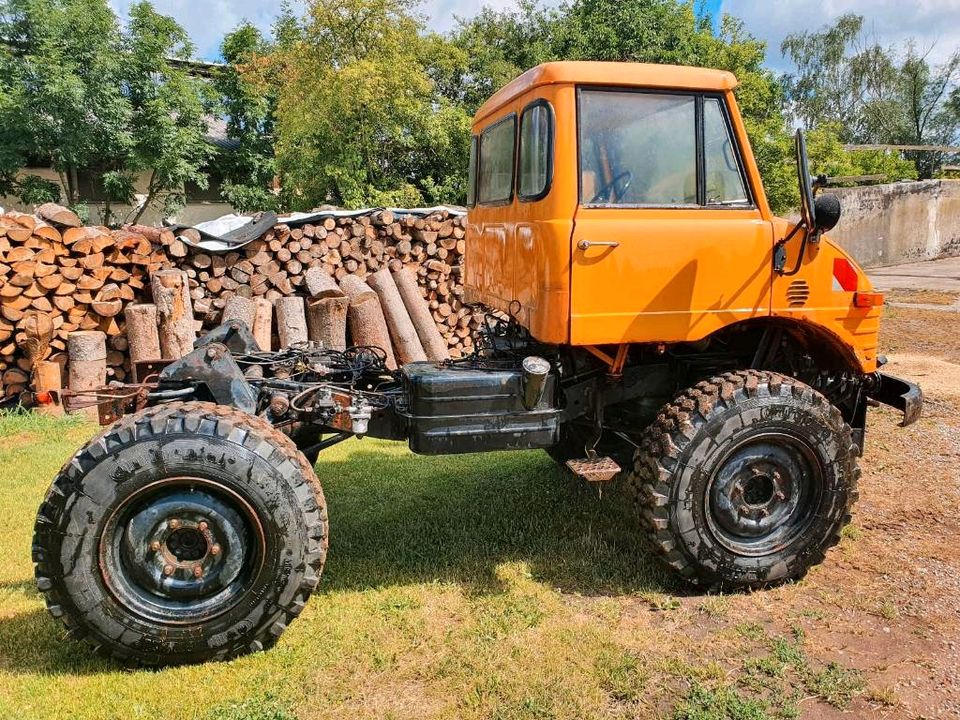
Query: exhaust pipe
535,372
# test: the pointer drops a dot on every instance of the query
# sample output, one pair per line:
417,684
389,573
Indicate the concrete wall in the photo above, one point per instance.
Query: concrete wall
898,223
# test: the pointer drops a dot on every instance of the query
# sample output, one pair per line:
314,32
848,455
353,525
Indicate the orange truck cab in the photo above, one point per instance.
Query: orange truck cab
615,203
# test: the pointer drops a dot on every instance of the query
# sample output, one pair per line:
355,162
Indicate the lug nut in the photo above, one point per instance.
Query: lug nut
779,495
215,550
174,524
155,546
197,571
168,570
203,526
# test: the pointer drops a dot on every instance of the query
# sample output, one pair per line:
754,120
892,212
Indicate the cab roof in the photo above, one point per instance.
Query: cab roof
617,74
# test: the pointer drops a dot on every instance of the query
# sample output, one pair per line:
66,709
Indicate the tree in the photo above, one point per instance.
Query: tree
923,113
873,95
836,70
249,169
99,103
358,118
169,111
61,97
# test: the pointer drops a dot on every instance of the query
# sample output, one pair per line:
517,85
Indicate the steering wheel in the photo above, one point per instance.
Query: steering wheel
618,185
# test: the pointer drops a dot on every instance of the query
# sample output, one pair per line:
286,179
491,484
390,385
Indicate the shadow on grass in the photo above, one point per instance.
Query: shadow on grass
34,643
398,519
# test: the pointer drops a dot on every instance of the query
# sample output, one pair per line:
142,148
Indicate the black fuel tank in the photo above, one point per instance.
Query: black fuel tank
467,409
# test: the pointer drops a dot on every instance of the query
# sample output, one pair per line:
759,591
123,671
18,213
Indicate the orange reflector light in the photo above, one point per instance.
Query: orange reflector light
43,398
867,299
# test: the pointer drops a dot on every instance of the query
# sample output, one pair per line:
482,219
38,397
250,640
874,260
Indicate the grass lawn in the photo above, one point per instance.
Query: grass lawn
472,587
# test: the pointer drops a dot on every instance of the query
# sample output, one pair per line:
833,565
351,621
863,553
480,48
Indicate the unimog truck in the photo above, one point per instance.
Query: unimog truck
652,325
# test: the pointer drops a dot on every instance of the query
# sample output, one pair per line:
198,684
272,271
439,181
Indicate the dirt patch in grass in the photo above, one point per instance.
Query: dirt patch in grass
920,332
922,297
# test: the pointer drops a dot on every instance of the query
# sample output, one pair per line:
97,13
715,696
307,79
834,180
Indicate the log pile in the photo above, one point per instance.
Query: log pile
372,279
77,278
291,260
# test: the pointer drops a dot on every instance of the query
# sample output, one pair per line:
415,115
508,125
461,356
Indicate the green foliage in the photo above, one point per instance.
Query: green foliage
90,97
262,707
723,703
169,109
62,92
829,157
868,94
359,121
249,169
33,189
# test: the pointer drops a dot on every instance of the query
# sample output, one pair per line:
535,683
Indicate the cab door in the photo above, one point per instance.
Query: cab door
669,243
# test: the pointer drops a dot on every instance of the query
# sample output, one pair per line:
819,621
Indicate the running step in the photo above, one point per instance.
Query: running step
596,470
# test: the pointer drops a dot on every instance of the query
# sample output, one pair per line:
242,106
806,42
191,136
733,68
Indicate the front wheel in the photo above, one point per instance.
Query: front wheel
185,533
745,480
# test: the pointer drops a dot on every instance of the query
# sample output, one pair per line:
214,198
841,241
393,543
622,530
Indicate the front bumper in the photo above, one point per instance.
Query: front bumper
900,394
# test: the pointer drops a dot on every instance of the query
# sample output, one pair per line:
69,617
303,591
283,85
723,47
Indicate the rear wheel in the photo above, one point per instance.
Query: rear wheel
745,480
185,533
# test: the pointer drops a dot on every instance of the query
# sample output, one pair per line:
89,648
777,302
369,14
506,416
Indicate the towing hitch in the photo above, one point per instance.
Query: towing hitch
898,393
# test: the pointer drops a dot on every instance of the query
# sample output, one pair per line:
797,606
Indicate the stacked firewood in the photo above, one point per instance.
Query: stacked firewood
63,284
73,279
276,264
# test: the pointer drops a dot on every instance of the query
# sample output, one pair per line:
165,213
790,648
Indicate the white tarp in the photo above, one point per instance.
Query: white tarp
215,235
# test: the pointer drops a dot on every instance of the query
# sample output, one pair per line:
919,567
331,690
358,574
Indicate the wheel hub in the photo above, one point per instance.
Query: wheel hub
762,494
182,551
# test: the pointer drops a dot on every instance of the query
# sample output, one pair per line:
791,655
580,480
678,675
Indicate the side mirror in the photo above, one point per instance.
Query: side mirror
821,212
806,184
826,210
817,213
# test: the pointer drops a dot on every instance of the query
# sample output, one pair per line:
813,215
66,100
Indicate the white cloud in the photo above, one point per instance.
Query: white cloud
932,23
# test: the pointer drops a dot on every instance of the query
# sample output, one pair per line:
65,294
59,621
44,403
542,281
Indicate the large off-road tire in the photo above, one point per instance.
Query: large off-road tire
745,480
187,532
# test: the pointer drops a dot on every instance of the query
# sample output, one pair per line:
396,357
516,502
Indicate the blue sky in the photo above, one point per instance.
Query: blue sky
934,23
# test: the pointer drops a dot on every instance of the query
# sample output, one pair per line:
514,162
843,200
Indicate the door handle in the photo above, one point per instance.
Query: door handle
585,244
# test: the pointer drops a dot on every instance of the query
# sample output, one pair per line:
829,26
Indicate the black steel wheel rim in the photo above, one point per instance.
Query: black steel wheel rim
181,550
764,494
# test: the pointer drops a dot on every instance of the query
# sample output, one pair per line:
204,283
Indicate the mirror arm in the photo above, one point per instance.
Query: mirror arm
780,253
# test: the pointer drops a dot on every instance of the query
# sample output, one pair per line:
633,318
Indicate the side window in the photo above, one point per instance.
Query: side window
536,151
497,162
724,180
472,174
637,148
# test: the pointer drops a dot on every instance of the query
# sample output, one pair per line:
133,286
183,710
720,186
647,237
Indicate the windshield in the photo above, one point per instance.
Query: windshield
640,148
